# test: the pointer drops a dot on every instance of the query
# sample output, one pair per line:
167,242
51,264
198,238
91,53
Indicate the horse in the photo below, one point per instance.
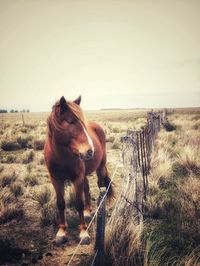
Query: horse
74,148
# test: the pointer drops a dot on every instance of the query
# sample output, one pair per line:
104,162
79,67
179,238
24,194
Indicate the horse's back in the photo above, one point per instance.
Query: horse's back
98,131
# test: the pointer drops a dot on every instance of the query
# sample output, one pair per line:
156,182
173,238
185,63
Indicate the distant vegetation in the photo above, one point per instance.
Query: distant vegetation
14,111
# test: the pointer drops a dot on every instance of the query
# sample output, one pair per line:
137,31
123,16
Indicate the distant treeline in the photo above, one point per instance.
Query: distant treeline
14,111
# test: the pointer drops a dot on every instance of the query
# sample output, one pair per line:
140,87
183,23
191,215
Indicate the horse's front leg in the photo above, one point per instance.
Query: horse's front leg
88,208
61,236
79,190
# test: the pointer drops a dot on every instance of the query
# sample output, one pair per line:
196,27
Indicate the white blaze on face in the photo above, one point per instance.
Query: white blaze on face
88,138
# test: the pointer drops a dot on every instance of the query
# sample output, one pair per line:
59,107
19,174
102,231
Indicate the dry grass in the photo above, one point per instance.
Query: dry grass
7,180
189,159
9,213
123,242
171,230
16,189
45,198
161,165
31,180
172,205
6,196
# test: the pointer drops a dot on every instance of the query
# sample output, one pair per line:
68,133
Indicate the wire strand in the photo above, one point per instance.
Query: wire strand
94,258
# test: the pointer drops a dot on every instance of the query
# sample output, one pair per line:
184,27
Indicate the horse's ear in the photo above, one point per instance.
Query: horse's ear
78,100
63,104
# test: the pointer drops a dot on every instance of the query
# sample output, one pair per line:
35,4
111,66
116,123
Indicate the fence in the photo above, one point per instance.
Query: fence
137,147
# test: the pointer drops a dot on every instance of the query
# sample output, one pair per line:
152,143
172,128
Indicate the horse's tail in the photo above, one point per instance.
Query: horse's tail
109,186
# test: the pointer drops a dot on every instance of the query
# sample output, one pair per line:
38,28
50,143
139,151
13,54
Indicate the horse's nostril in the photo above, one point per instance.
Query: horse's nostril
90,152
81,156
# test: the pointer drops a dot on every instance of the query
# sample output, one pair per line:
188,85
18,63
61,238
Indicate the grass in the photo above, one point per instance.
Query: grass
169,127
123,242
45,199
28,157
16,189
171,230
9,213
48,215
1,168
169,235
31,180
43,196
6,196
10,145
38,144
7,180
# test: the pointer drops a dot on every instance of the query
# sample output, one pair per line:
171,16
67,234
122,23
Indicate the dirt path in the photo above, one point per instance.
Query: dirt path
59,256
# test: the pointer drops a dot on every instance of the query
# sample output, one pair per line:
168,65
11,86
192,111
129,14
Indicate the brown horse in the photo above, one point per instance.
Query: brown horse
74,148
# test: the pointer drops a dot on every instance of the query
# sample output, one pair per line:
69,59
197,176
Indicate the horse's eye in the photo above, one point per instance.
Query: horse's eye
70,121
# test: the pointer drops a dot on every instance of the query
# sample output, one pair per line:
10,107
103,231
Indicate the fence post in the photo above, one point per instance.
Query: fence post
100,229
23,120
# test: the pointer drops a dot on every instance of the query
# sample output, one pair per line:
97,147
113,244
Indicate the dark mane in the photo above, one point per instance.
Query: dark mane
77,112
53,121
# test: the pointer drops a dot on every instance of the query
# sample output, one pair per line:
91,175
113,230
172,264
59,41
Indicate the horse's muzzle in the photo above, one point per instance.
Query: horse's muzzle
87,155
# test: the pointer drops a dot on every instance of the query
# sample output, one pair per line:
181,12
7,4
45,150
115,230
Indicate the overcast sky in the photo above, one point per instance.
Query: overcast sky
139,53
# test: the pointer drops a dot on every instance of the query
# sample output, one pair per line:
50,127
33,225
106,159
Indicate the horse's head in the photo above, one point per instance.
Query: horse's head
71,128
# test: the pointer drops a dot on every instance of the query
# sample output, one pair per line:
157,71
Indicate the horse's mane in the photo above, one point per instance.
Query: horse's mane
75,110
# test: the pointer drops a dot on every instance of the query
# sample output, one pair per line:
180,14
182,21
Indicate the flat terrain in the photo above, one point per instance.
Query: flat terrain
28,216
27,201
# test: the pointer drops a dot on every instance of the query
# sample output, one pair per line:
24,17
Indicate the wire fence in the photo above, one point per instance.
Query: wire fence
137,147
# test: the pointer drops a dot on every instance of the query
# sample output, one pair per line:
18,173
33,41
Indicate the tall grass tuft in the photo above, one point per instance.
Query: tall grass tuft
38,144
10,145
46,203
169,126
9,213
16,189
28,157
7,180
31,180
123,242
1,168
43,195
6,196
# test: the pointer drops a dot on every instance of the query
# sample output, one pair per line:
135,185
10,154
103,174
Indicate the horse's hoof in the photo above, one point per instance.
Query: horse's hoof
85,240
59,240
87,218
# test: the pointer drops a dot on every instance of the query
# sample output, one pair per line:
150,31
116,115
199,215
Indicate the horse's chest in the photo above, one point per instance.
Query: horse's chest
64,170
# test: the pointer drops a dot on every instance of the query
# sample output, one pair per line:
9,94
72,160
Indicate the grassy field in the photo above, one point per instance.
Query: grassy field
27,204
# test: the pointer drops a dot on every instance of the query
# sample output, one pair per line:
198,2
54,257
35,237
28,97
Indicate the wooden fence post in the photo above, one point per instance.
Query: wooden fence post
23,120
100,229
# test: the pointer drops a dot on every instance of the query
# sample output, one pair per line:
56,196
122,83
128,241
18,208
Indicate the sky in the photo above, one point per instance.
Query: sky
115,54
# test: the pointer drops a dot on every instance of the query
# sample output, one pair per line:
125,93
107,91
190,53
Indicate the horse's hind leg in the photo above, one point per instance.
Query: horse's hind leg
61,236
79,190
88,209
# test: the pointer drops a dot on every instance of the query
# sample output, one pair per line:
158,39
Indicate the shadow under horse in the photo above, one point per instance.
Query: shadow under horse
74,148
